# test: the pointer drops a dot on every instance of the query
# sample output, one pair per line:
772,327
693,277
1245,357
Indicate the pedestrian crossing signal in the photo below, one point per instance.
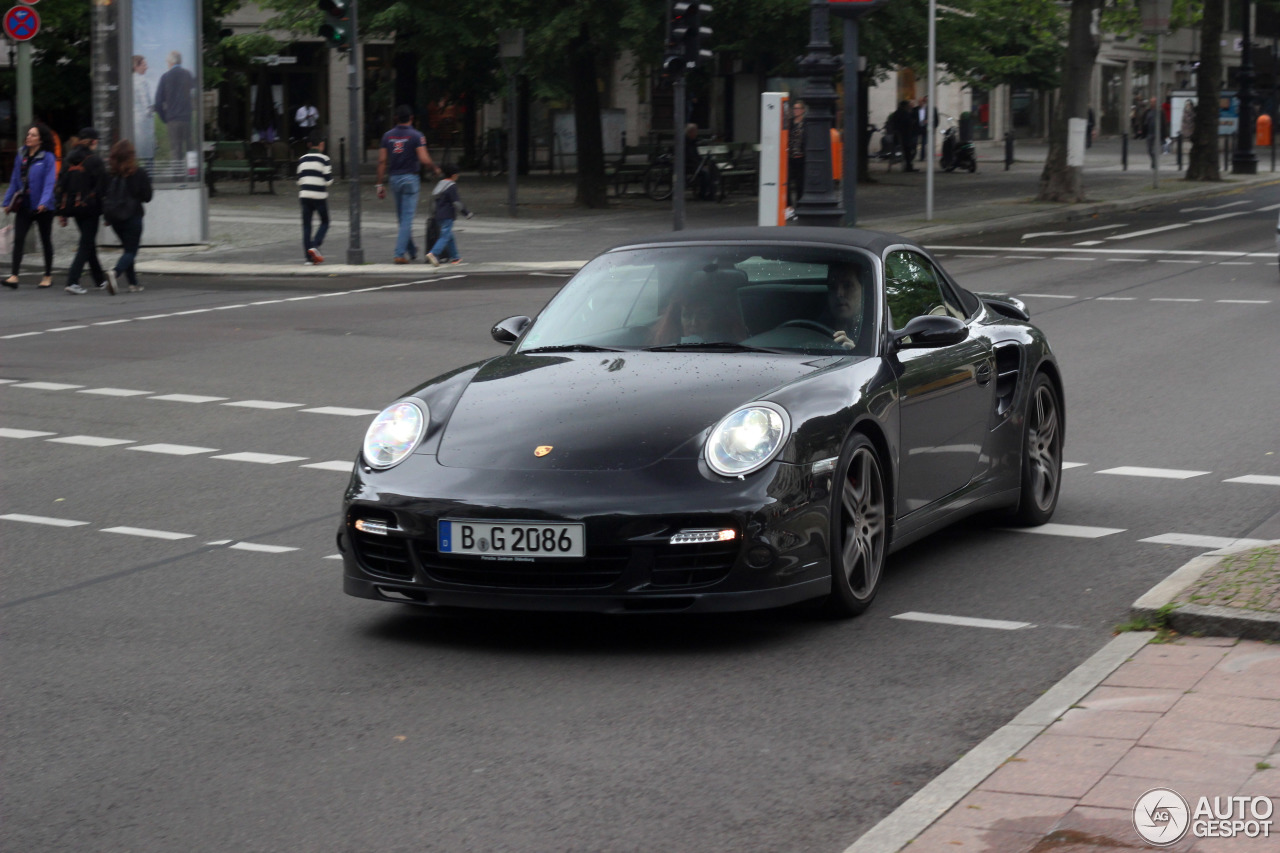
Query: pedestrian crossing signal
336,29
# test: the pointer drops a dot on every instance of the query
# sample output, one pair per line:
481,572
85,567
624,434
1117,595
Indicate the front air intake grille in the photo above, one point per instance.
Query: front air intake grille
385,555
599,571
686,566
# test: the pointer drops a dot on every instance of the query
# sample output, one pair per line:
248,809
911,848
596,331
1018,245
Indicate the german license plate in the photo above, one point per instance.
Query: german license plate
511,538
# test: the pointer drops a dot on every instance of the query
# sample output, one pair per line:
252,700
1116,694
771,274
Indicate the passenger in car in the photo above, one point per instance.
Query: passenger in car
706,310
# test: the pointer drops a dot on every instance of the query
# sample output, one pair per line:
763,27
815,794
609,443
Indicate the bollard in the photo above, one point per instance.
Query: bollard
1124,152
342,157
1008,149
1179,152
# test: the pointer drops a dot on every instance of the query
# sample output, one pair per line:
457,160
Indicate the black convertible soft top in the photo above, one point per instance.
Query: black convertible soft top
873,241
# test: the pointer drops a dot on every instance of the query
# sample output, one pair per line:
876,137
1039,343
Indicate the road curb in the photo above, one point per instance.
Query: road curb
162,267
936,798
1210,620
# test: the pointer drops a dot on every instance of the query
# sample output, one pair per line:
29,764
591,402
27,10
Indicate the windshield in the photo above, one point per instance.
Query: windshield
716,299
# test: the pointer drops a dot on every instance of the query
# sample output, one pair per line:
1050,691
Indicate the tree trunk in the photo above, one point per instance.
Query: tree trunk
1058,181
592,187
1203,163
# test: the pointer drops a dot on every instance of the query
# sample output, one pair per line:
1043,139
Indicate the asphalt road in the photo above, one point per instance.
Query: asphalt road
183,672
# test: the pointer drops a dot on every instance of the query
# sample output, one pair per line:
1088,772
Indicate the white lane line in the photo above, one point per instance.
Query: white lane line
1215,207
219,542
1220,216
1162,473
976,256
1066,465
111,322
8,432
263,549
1188,253
1234,264
153,317
192,311
1244,301
174,449
1090,242
1268,207
41,519
337,465
91,440
1176,261
1087,260
263,404
67,328
339,410
1256,480
965,621
20,335
1116,298
7,381
47,386
332,557
187,398
115,392
149,534
1126,260
260,458
1031,234
1172,298
1023,258
1210,542
1047,296
1075,530
1162,228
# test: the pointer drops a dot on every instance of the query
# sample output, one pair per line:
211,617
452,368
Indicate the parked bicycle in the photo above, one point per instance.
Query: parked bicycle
704,178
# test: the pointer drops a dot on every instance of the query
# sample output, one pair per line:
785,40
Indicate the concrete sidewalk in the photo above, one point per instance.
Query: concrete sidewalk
261,234
1186,716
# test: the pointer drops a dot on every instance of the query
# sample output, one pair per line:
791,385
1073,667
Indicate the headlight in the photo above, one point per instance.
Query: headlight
395,433
746,440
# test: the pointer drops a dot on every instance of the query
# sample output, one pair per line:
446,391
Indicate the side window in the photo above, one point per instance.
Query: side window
912,289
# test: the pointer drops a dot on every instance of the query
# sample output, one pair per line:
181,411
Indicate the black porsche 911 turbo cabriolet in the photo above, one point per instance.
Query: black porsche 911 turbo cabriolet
709,421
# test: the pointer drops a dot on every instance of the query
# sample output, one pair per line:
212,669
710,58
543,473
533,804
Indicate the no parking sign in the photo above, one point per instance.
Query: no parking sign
21,23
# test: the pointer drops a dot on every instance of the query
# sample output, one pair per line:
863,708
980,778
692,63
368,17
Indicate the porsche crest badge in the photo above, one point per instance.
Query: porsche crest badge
542,450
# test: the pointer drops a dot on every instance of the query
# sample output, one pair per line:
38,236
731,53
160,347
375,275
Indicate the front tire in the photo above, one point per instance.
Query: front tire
1041,455
859,529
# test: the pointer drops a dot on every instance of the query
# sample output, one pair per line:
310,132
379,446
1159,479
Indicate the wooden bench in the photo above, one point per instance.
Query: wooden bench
236,160
630,167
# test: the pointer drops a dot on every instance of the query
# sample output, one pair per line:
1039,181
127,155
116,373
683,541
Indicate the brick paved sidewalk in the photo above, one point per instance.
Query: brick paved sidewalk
1200,716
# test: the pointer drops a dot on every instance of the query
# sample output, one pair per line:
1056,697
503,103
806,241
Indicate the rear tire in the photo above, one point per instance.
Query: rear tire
1041,455
657,182
859,529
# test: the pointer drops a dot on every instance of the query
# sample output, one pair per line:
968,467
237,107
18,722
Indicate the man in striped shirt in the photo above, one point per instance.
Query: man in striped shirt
315,174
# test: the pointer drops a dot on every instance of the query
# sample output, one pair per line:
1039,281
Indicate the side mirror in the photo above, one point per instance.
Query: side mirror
930,330
509,330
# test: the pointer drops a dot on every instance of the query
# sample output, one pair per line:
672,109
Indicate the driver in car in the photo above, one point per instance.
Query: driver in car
844,304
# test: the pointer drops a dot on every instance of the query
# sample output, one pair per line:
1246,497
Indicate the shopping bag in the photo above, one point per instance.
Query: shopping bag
6,240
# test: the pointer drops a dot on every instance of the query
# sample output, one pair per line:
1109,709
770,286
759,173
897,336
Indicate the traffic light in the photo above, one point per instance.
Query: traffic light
687,33
336,29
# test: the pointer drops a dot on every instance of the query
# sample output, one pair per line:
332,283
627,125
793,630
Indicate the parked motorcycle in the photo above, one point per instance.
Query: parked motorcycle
955,153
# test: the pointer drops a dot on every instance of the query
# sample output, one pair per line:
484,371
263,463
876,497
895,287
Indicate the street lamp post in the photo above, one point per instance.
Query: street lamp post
1244,161
820,204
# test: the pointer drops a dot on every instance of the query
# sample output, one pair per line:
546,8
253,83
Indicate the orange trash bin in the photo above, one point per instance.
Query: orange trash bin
1263,131
837,155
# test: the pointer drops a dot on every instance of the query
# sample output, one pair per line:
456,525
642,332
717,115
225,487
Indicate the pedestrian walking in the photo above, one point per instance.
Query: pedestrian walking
795,154
123,207
903,123
448,204
79,194
30,199
402,154
306,119
1153,131
315,174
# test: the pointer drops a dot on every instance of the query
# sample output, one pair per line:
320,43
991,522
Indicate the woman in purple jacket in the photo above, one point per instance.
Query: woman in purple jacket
30,198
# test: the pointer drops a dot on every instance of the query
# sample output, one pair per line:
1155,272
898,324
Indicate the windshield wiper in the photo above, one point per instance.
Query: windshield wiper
711,346
570,348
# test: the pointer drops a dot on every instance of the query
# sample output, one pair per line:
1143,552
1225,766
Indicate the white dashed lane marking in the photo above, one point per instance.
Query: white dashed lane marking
336,465
91,440
1161,473
262,549
148,534
1256,480
187,398
41,519
174,449
338,410
114,392
263,404
964,621
1073,530
261,458
47,386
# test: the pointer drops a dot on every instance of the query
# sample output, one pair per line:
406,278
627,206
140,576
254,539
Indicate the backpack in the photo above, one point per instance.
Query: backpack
76,192
119,205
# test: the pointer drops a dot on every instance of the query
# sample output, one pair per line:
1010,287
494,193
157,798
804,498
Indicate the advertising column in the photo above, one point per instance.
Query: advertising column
162,110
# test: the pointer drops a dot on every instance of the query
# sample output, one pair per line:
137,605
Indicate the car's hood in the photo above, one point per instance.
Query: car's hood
602,411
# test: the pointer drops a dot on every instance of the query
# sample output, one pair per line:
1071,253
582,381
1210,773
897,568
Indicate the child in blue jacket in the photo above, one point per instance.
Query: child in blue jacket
447,205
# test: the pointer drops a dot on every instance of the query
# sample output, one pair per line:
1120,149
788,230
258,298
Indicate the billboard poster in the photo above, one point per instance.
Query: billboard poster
165,63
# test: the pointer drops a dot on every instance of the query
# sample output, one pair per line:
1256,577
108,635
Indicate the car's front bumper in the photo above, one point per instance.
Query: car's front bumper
779,554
